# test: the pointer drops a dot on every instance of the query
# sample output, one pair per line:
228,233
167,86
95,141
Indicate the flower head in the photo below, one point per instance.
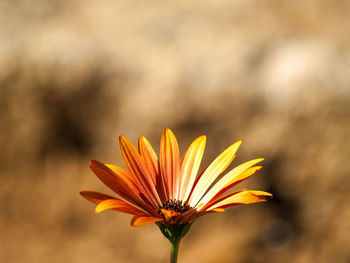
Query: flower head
169,190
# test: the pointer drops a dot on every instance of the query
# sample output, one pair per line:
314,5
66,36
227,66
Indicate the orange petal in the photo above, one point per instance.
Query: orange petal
185,217
218,210
95,197
235,176
118,205
149,156
212,172
117,183
191,217
138,168
151,160
189,167
239,198
124,175
169,214
114,181
140,220
169,162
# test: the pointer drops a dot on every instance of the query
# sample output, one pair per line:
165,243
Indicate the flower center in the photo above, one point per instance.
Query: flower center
176,206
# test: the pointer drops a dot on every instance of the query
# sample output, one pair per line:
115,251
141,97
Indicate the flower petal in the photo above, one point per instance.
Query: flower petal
239,198
218,210
95,197
118,205
193,215
140,220
116,182
151,160
169,214
149,156
169,162
232,178
138,168
189,167
123,175
212,172
185,217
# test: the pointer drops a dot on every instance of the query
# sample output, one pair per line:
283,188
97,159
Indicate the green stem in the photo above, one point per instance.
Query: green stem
174,250
174,233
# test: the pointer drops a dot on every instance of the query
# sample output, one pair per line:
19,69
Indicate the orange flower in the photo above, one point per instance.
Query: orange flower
169,191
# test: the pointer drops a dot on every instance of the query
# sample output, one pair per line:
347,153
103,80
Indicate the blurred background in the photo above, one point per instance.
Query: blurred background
75,74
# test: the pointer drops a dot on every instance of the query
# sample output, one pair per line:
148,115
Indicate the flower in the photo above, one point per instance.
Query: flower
169,191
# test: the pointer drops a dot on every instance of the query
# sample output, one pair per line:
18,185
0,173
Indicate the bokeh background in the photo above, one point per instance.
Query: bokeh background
76,74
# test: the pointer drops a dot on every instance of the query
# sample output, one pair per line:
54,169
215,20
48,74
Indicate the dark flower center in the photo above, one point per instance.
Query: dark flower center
176,206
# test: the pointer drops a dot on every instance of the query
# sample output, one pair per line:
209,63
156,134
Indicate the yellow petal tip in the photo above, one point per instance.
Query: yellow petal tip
236,145
167,131
218,210
261,193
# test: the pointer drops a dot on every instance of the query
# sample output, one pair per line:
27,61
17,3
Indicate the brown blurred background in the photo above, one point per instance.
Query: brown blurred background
75,74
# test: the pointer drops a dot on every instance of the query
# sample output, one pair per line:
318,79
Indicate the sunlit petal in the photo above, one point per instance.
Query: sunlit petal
235,176
242,197
169,162
140,220
212,172
189,167
118,205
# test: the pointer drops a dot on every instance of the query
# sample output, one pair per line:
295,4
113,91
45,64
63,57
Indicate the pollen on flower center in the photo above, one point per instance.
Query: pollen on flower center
175,205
